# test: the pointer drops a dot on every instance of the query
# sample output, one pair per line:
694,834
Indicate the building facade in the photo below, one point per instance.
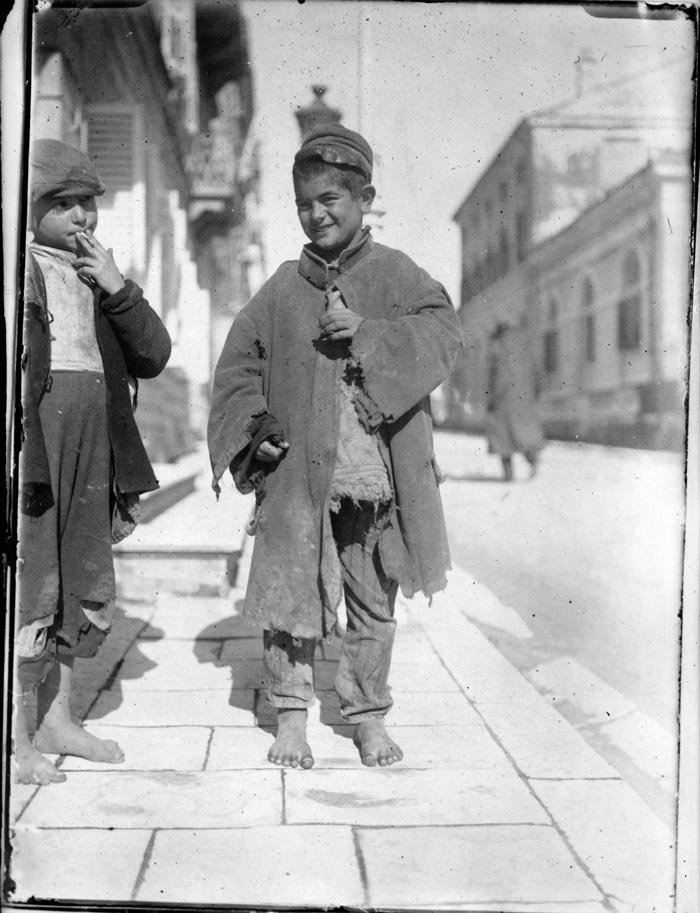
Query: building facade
160,97
566,238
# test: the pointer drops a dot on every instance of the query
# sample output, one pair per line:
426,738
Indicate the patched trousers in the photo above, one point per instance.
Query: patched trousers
363,669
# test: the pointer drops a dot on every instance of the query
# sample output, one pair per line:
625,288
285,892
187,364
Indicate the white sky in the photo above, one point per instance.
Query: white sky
436,88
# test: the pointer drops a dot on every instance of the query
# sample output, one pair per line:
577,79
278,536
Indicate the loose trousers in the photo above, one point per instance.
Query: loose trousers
363,670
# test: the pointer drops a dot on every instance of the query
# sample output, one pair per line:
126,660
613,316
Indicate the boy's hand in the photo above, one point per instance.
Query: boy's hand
338,324
97,265
268,452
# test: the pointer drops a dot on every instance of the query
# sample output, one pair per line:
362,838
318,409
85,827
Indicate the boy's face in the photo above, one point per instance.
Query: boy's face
57,220
329,214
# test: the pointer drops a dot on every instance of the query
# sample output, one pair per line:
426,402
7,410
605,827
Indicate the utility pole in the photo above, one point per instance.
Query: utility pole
376,214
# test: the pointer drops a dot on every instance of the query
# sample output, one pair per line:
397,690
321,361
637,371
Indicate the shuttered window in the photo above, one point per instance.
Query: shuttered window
116,143
588,321
112,145
629,308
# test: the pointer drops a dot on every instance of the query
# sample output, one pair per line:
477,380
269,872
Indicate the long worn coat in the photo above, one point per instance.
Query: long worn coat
134,344
274,363
513,425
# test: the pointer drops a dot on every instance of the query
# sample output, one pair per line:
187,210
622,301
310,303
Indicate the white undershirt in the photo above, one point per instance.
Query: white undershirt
74,344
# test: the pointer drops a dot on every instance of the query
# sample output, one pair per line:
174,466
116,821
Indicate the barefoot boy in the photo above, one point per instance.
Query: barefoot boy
82,462
320,405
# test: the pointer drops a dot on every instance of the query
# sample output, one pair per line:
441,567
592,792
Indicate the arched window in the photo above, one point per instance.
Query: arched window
504,252
551,339
521,239
478,276
631,269
467,286
491,266
588,320
629,307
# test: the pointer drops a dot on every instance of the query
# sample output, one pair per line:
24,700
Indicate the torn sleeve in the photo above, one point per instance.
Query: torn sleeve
238,395
396,363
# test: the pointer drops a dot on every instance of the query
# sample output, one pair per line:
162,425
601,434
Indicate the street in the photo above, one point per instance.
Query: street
531,780
585,561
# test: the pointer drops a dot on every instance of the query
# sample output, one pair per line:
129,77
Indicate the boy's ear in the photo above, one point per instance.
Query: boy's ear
367,197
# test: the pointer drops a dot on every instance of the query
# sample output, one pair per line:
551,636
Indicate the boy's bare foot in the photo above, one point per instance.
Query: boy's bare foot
374,744
290,748
69,738
32,767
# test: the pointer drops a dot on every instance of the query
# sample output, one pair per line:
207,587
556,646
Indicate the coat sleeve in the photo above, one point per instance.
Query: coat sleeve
238,397
144,341
399,362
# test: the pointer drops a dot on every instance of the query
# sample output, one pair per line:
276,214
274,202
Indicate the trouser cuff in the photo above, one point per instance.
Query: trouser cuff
289,701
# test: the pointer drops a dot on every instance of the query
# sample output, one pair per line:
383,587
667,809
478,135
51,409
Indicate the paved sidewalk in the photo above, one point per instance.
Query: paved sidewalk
499,805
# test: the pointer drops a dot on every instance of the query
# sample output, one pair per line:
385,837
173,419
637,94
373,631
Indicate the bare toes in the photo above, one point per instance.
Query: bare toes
304,760
37,771
375,746
111,752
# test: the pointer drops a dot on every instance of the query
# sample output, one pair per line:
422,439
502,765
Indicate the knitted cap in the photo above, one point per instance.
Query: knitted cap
335,144
59,170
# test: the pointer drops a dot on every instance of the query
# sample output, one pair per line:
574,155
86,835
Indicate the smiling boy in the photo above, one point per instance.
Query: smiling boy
320,406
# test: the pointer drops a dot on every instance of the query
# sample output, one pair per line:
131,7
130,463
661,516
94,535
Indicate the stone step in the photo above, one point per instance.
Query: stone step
144,575
154,503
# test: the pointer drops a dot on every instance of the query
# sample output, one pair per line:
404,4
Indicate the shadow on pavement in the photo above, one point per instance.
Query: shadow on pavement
101,676
241,650
474,478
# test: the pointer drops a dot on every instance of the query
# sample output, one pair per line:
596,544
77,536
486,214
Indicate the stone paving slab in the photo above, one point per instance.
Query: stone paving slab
427,708
412,648
418,708
244,674
504,865
626,847
612,716
91,675
191,618
211,707
650,746
76,864
479,668
541,742
425,748
396,796
235,650
300,866
144,576
163,799
178,665
197,521
428,675
244,655
152,748
20,794
239,748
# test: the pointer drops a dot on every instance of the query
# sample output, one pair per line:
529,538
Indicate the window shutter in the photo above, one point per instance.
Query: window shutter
116,144
112,145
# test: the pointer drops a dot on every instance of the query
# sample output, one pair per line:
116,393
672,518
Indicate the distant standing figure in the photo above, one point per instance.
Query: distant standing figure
513,424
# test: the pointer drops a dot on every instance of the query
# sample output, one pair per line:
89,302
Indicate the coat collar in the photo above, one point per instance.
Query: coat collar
322,274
